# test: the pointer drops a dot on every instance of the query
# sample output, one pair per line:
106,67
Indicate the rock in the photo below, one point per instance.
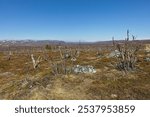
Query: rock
147,59
115,53
66,55
83,69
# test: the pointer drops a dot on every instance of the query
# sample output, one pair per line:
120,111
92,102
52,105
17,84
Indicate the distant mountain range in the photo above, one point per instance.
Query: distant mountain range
29,42
56,42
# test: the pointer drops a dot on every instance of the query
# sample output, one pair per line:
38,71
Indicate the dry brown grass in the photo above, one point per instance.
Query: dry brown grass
19,80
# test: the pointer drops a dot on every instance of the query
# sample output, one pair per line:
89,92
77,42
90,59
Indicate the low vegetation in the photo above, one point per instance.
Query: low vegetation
48,72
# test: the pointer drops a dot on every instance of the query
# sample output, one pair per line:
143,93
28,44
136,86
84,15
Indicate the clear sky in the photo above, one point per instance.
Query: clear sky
74,20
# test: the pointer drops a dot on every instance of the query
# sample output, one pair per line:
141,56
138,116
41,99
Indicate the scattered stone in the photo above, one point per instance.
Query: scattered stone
83,69
66,55
147,59
115,53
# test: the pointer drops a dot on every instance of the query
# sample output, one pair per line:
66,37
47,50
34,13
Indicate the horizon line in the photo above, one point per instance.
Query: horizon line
84,41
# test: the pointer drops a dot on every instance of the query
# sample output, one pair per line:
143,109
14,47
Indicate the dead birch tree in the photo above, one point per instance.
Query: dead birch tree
128,53
36,62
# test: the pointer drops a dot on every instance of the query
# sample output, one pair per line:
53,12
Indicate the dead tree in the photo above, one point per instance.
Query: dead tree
9,53
61,66
128,54
69,53
66,55
36,62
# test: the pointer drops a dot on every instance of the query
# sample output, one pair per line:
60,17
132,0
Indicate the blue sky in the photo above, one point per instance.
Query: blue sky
74,20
